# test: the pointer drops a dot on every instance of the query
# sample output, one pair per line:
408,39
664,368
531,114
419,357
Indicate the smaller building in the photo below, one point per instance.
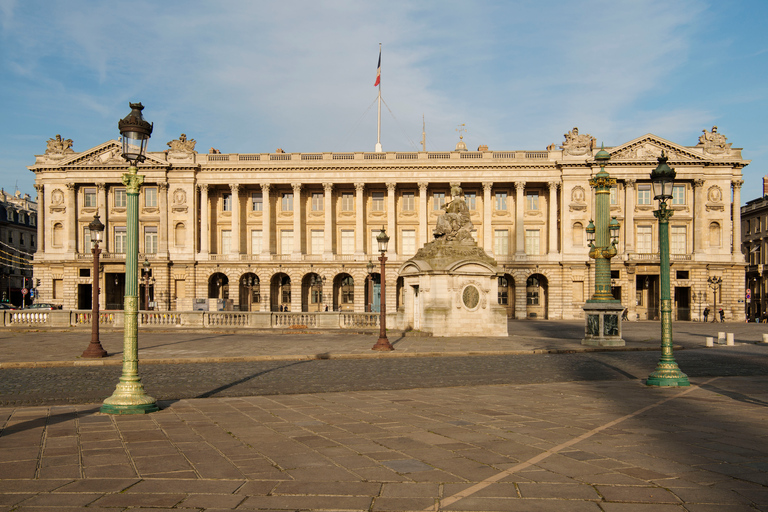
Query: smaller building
754,241
18,243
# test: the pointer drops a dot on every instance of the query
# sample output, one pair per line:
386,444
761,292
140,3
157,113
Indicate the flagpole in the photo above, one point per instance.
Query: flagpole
378,81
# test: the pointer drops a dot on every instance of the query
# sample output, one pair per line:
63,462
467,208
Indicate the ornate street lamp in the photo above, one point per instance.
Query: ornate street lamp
94,347
667,372
129,396
383,342
714,283
146,280
369,277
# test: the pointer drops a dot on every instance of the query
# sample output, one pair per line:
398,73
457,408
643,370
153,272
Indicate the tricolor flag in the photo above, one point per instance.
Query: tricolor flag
378,71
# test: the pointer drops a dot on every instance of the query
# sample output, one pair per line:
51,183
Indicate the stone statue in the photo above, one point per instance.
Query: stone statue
454,225
182,145
59,146
713,142
576,144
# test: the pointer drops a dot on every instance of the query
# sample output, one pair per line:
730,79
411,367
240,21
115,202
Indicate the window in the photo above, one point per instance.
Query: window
89,197
375,243
471,199
317,241
532,201
256,241
317,201
408,237
21,238
532,291
87,238
85,272
226,202
677,240
678,194
257,202
409,202
347,202
150,239
501,201
287,202
438,200
644,239
10,237
532,241
150,197
32,219
120,237
501,242
226,241
643,194
286,241
347,241
120,198
377,201
503,291
347,290
614,195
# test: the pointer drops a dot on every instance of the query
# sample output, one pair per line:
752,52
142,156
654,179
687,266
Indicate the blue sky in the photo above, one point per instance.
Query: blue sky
253,76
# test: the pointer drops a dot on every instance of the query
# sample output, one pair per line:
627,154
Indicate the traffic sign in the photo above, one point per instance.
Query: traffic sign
24,291
749,293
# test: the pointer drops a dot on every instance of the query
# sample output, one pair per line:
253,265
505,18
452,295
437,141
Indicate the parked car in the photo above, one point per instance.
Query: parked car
43,305
7,305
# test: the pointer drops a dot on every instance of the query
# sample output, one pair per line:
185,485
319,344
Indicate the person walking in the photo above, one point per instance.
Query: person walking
722,315
706,313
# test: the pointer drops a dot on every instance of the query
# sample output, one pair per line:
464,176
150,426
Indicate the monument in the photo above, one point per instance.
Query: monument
451,284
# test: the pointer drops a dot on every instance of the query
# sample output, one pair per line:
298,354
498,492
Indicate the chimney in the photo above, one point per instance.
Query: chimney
765,185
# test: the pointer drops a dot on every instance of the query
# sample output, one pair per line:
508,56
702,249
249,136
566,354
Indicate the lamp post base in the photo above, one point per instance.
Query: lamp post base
130,409
94,350
667,374
383,344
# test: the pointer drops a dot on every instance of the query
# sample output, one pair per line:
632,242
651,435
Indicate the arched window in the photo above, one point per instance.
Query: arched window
347,290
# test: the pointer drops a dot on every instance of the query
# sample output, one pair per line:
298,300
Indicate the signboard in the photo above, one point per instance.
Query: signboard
24,291
749,294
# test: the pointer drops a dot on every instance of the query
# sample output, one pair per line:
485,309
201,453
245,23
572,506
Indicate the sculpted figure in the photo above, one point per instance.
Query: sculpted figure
576,144
59,146
454,224
714,142
182,144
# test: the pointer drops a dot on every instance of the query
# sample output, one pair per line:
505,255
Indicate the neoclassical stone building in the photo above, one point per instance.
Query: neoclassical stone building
295,231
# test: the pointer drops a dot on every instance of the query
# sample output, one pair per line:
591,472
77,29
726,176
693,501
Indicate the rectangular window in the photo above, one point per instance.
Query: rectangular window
150,197
317,241
347,202
226,202
501,201
678,194
150,239
256,246
471,199
532,241
644,239
317,201
287,202
501,242
89,197
409,202
347,241
614,195
87,238
32,220
374,242
677,240
377,201
257,202
643,194
438,200
532,201
121,200
408,241
120,238
286,241
226,241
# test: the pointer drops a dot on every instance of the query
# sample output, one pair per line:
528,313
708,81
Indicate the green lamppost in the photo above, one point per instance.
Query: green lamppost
667,372
602,311
129,396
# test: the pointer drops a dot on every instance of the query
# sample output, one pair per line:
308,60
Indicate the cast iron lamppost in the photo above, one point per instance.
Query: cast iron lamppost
667,372
383,343
129,396
316,285
714,283
603,323
146,280
94,347
249,287
369,267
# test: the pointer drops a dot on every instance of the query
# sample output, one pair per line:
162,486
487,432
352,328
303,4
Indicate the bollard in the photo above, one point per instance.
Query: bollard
721,338
730,339
765,338
710,341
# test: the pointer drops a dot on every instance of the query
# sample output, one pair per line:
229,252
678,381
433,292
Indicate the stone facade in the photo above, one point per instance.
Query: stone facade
754,222
18,243
301,226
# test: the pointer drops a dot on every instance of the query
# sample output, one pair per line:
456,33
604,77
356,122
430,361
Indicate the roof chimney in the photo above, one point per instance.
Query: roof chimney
765,185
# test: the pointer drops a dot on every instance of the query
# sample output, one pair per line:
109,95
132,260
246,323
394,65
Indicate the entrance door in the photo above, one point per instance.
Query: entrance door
683,303
84,296
376,306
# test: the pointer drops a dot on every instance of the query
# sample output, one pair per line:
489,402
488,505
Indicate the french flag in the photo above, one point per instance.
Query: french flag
378,71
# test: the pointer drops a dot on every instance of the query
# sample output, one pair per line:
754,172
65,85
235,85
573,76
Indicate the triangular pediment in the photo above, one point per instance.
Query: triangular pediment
649,147
108,154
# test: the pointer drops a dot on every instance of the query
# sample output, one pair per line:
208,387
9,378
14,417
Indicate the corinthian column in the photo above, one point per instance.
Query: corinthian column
519,218
235,246
698,216
162,235
736,215
41,218
359,225
629,216
553,217
296,220
487,217
423,219
328,217
204,213
71,217
266,227
391,216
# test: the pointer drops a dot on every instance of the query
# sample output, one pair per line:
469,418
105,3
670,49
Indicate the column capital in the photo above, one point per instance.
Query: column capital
235,188
327,187
202,187
101,186
296,188
391,187
519,185
39,187
487,186
698,183
630,183
737,184
71,186
423,186
359,187
162,185
265,187
453,184
553,184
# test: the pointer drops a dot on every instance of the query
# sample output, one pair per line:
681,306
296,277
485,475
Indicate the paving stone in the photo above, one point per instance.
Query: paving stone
139,500
62,499
328,488
356,503
637,494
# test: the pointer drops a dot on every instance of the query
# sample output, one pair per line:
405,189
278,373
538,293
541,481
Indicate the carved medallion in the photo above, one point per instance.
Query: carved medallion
470,297
715,194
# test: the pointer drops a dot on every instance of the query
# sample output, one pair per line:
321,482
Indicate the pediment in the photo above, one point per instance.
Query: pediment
107,154
649,147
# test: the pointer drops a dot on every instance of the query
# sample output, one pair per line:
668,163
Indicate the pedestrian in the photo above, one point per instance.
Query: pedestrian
706,313
624,315
722,315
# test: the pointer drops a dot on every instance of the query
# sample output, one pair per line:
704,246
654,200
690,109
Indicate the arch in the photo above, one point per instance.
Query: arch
58,235
536,296
312,292
280,292
250,292
180,234
506,295
373,292
343,293
715,235
218,286
578,234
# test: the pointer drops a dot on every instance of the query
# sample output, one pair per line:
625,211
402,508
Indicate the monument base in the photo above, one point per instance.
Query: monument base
603,324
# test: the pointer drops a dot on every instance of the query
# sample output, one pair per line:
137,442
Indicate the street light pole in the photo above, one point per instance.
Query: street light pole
369,267
95,349
667,372
145,282
129,396
714,283
383,343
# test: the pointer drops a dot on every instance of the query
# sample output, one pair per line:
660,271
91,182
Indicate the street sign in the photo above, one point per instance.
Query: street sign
749,293
24,291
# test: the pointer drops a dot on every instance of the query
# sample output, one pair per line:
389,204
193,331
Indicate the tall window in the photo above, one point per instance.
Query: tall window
120,237
150,239
614,195
501,242
347,241
120,198
347,202
374,242
150,197
532,241
532,291
678,194
409,202
347,290
503,291
501,201
644,239
317,201
408,237
256,246
677,240
89,197
226,241
317,241
87,238
377,201
287,202
643,194
438,200
257,201
471,199
532,201
226,202
286,241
